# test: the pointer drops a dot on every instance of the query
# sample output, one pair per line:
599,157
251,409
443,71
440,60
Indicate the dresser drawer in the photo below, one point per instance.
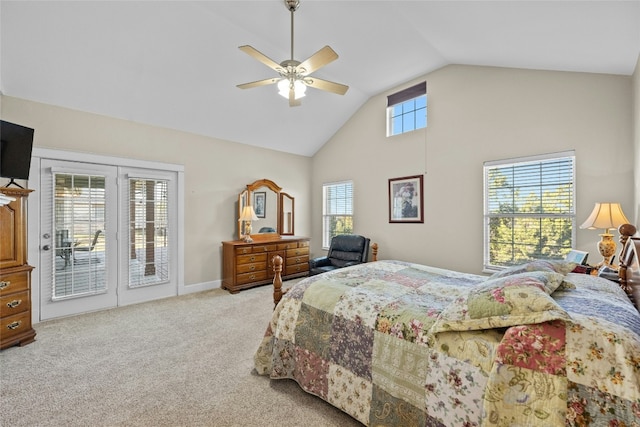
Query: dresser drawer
14,282
241,279
288,245
251,267
14,325
296,268
297,252
247,259
14,303
302,259
264,248
242,250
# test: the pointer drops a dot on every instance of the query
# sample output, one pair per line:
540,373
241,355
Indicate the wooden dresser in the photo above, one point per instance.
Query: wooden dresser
246,265
15,273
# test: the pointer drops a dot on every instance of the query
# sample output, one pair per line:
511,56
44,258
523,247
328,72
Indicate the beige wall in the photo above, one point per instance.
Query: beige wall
477,114
215,171
636,122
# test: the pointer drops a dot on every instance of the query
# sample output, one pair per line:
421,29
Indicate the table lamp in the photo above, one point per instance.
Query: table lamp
606,216
247,215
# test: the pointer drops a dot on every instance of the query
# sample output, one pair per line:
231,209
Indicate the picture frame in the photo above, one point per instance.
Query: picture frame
579,257
260,203
406,199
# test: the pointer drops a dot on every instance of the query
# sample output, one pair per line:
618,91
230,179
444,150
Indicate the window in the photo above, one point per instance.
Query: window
79,216
337,210
407,110
148,231
529,209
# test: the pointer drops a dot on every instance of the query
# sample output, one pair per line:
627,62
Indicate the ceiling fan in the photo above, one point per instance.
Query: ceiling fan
294,75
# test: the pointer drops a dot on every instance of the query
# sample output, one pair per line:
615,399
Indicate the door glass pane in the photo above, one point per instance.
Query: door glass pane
148,237
79,244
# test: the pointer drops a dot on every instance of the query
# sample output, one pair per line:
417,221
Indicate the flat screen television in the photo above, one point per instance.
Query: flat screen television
16,142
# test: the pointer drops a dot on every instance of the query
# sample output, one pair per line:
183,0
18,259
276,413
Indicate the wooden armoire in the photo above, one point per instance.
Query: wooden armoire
15,272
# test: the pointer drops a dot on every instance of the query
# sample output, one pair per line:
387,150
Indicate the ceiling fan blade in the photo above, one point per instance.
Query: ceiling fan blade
293,102
259,83
317,60
261,57
338,88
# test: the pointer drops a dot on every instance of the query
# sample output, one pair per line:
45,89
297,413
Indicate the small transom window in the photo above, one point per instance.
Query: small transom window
407,110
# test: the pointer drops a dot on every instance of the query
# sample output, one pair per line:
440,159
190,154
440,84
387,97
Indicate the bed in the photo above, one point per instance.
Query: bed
395,343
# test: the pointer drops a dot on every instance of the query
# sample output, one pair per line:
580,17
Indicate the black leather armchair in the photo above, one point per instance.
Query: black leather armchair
345,250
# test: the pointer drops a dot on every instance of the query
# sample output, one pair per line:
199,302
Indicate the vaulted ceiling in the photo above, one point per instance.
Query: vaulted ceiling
176,64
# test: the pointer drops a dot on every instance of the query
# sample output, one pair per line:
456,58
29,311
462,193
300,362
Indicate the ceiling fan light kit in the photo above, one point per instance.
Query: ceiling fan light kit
284,86
294,75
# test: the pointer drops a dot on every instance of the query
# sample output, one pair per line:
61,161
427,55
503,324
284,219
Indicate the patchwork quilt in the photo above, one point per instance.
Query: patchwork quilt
399,344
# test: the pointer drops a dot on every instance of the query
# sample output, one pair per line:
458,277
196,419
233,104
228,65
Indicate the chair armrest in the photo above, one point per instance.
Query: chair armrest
319,262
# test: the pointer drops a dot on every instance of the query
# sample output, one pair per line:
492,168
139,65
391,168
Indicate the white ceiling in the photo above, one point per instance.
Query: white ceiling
176,63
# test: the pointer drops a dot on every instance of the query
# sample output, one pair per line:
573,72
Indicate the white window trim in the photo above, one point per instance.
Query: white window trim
326,184
522,160
33,207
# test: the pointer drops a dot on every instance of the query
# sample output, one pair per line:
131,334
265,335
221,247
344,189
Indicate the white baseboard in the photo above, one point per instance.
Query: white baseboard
199,287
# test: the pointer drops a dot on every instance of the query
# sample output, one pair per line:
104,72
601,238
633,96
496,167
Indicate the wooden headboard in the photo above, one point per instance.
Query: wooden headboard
629,271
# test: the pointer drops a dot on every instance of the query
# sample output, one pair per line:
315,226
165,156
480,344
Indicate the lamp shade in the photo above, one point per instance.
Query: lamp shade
299,88
605,215
248,214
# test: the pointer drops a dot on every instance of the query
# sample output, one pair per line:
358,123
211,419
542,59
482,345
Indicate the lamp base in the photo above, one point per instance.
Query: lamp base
247,232
607,248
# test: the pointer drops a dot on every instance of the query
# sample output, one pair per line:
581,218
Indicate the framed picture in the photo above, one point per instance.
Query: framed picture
579,257
260,203
406,202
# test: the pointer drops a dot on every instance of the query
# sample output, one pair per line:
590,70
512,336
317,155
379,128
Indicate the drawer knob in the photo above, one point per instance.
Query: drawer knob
14,325
253,267
252,258
4,284
14,303
253,276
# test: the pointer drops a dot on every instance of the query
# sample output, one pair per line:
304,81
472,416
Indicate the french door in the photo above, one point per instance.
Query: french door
78,202
107,236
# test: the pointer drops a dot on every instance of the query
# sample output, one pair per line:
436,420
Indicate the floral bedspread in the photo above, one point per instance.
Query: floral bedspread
398,344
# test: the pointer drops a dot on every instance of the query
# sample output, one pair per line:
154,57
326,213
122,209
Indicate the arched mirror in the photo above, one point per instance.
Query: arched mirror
266,199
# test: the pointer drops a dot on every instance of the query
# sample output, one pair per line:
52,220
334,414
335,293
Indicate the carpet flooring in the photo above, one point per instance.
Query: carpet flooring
180,361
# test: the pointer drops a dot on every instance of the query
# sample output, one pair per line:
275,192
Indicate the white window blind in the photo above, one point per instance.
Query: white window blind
79,217
337,210
148,232
529,209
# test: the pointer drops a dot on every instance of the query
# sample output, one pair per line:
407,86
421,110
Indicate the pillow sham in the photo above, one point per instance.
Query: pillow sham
588,281
502,302
556,266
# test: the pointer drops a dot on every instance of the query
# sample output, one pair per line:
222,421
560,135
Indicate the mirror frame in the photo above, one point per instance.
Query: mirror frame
245,197
282,220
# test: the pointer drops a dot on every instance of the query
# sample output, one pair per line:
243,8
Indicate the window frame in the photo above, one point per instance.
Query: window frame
407,101
328,234
570,214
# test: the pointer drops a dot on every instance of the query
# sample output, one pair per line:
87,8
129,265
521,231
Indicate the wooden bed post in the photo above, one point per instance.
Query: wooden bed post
626,231
277,280
374,251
